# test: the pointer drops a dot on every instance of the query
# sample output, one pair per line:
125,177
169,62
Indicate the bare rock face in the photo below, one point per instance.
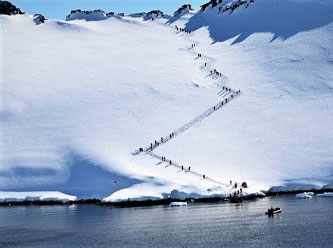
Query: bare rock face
6,8
183,9
39,19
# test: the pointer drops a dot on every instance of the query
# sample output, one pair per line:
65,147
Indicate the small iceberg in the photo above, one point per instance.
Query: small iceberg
177,204
305,195
327,194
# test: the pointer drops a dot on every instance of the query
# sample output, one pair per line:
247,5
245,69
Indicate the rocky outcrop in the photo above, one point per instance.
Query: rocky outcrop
91,15
6,8
39,19
149,15
183,9
213,4
155,13
230,6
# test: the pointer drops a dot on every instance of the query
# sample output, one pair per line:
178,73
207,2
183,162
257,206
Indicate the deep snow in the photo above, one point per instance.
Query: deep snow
79,98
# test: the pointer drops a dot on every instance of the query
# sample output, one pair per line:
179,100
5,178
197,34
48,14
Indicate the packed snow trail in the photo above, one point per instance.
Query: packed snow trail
227,93
191,123
184,168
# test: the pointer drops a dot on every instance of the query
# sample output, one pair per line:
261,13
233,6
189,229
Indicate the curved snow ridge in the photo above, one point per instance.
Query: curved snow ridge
54,196
133,194
181,194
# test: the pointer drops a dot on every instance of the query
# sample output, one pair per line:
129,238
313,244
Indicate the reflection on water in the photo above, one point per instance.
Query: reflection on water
302,223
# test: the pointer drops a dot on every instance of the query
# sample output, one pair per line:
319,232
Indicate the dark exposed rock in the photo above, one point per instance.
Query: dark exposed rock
213,3
6,8
97,14
157,13
141,14
39,19
230,6
182,8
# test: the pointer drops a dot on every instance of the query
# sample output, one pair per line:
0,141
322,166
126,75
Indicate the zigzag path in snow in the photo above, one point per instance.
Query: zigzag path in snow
226,93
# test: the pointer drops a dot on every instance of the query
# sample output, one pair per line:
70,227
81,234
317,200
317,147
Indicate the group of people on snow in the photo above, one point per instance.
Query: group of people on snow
162,140
182,30
157,143
215,72
237,192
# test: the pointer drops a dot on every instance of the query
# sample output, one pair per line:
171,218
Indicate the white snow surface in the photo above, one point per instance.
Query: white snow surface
35,196
79,98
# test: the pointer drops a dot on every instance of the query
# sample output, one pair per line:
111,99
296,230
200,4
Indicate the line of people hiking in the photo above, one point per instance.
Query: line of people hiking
157,143
182,166
182,29
212,72
163,140
172,163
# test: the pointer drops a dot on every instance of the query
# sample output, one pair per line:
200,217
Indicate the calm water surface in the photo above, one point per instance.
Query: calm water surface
302,223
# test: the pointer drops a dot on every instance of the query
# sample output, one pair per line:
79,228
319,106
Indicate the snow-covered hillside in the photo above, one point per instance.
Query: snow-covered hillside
80,97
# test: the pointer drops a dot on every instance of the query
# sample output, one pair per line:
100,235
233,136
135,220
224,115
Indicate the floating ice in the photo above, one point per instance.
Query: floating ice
177,204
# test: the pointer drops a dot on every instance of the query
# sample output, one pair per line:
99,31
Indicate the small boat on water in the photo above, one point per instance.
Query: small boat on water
271,211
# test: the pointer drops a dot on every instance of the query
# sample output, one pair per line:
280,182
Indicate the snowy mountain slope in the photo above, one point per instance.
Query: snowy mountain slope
79,99
284,19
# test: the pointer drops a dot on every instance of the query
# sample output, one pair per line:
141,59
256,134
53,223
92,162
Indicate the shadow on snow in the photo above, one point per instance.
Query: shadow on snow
284,20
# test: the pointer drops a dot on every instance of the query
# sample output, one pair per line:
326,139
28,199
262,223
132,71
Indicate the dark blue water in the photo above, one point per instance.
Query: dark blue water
302,223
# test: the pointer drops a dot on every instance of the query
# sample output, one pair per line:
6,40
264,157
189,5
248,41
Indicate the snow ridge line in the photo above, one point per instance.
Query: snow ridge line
224,92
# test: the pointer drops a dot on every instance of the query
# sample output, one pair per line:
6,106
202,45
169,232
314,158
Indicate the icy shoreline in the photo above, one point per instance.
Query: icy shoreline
58,198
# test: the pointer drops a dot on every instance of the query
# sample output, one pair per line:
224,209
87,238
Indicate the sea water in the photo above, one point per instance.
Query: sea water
302,223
